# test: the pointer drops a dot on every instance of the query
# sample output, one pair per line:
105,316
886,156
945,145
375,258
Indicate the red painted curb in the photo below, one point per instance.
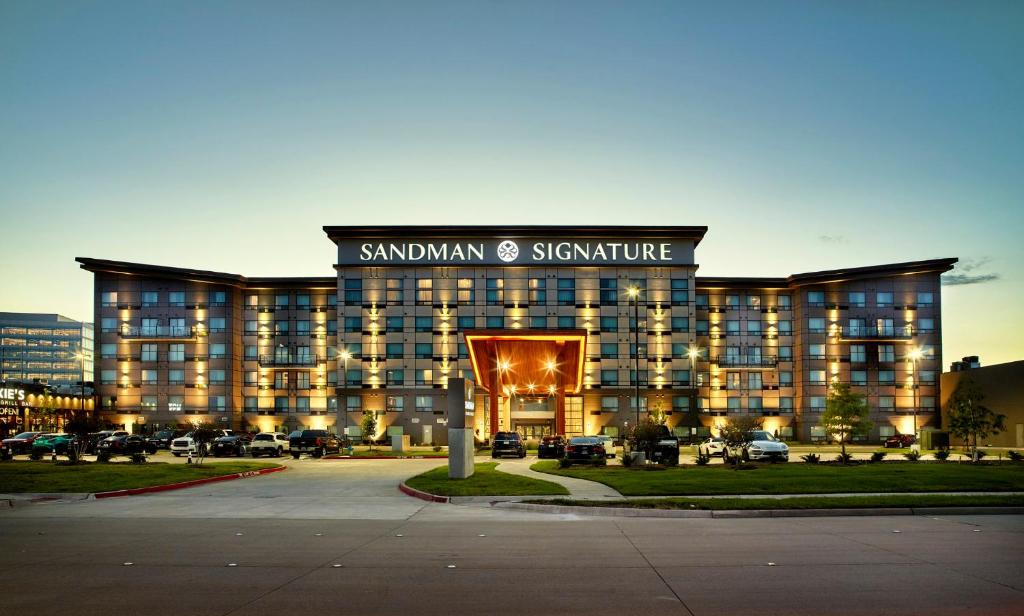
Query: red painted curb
420,494
187,484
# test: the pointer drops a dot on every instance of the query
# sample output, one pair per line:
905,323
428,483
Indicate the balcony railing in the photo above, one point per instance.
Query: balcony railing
160,332
290,361
871,332
739,361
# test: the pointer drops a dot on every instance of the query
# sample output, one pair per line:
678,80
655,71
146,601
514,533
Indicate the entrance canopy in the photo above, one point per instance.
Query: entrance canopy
526,363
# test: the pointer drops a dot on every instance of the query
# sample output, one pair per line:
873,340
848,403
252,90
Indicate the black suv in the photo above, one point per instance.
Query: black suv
508,444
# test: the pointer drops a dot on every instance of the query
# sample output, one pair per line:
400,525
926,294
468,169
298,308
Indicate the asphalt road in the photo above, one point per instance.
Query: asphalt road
285,533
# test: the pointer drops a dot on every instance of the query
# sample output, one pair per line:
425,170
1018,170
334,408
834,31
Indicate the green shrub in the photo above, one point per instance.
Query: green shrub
103,457
942,454
844,458
35,454
437,448
702,459
878,456
138,458
627,461
811,458
1016,456
564,463
912,455
981,454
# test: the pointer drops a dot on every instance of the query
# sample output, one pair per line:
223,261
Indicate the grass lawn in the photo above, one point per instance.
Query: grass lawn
485,482
805,502
26,476
802,478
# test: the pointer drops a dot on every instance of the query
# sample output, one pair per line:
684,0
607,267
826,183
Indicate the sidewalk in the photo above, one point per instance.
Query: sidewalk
580,489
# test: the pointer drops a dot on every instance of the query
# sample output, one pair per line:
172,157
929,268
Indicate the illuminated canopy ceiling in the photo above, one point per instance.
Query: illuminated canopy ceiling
528,363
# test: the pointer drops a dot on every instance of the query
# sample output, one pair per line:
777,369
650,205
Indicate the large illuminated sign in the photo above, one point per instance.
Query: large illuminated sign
516,251
11,400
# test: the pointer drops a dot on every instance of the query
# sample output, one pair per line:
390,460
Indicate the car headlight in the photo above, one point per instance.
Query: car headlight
755,448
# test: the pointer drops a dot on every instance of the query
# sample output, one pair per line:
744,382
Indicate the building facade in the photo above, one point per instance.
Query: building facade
563,329
1003,388
47,349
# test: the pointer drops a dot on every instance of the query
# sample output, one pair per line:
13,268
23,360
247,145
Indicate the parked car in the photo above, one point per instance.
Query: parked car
609,445
712,446
316,443
661,446
163,438
184,445
5,451
762,446
22,443
95,438
53,443
584,449
551,447
269,443
508,444
900,440
126,445
235,445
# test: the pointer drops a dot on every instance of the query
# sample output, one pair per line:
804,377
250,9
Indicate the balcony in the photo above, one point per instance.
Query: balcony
160,333
291,361
868,333
739,361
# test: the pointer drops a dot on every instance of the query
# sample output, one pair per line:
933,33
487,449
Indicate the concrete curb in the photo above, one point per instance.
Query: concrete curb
186,484
385,458
420,494
629,512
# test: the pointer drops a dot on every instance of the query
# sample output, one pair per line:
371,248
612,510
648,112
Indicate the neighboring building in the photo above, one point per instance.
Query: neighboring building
31,406
1003,387
48,349
541,318
967,363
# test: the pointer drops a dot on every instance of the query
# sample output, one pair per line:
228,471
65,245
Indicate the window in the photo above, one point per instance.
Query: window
886,377
108,325
302,328
702,327
680,403
302,404
816,351
394,324
754,381
786,403
927,402
702,300
218,298
883,299
353,324
681,377
216,377
734,404
886,431
495,291
538,291
217,325
353,291
353,403
395,292
817,377
785,328
150,326
538,322
281,404
814,298
176,352
566,291
785,302
150,298
925,326
394,350
149,377
394,404
394,377
148,352
495,322
354,376
252,301
108,298
175,403
755,403
926,376
424,324
858,377
858,355
609,350
609,404
609,377
886,353
176,298
109,351
252,327
754,328
786,379
424,376
680,324
424,404
886,402
785,353
732,301
424,291
252,378
816,325
925,299
108,377
754,302
732,380
817,403
857,300
148,403
680,291
251,404
281,328
732,328
566,322
609,292
176,377
466,322
280,380
466,294
217,350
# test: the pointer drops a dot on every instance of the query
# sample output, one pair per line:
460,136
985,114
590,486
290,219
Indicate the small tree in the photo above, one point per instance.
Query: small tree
202,435
969,419
739,431
645,435
81,425
369,426
47,411
845,416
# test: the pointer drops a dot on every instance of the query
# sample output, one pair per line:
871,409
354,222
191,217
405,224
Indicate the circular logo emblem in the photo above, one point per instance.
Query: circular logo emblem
508,251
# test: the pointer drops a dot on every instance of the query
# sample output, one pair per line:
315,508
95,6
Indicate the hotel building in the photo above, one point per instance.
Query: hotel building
562,329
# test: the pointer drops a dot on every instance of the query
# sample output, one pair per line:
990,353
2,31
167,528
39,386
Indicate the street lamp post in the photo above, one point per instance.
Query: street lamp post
915,355
634,293
345,356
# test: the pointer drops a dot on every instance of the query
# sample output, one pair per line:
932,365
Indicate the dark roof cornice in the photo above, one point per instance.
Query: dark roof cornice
908,268
695,233
125,268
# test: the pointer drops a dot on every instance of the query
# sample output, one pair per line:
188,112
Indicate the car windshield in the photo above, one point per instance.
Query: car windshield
264,437
25,435
763,435
507,435
584,440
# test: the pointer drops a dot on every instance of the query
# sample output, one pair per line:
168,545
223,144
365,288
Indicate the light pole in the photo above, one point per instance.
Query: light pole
345,356
915,355
634,294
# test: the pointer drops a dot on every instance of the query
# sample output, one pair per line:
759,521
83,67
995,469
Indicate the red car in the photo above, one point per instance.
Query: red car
900,440
22,443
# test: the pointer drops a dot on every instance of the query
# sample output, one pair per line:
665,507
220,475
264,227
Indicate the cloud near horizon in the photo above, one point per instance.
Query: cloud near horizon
966,277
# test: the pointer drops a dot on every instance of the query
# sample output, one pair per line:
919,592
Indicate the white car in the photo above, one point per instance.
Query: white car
609,446
184,445
269,443
763,446
713,446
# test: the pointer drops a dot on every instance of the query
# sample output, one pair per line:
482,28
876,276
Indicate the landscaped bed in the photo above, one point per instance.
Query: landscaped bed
805,502
485,481
801,478
88,477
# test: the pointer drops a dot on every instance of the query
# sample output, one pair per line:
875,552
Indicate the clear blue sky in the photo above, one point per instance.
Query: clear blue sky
806,135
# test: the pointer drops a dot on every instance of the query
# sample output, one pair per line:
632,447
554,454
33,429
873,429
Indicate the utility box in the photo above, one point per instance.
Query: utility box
934,439
400,442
